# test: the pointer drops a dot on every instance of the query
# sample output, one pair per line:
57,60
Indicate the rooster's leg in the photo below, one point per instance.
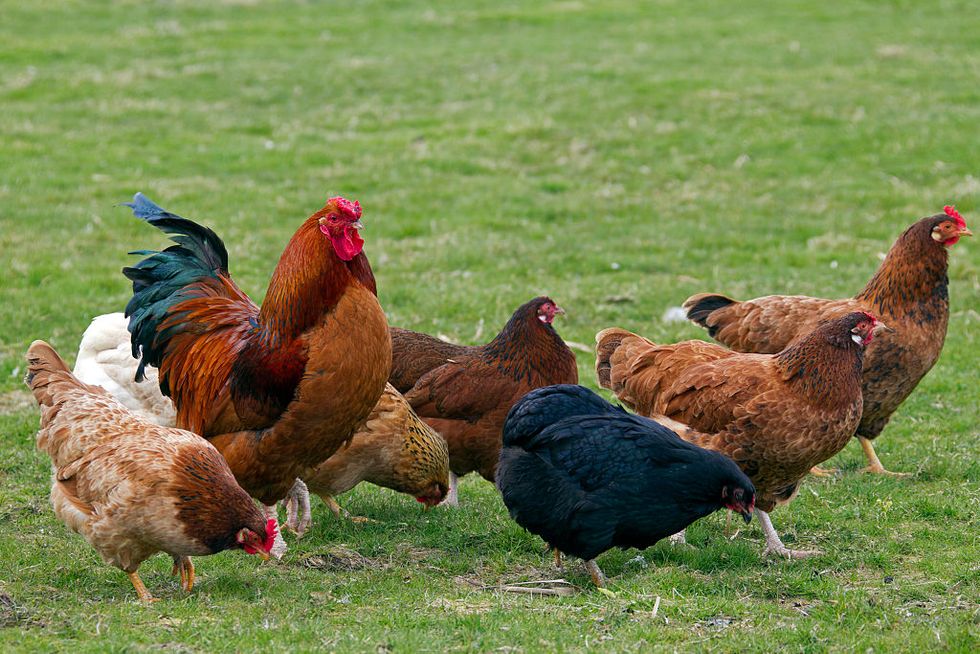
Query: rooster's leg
680,538
558,563
817,471
774,545
452,496
298,517
185,568
279,546
141,590
874,465
598,578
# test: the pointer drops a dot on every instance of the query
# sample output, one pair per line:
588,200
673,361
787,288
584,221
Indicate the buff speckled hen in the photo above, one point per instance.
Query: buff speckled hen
909,292
775,415
465,391
277,389
132,488
394,449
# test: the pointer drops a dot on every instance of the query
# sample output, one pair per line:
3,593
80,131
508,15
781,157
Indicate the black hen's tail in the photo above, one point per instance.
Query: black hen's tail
162,279
543,407
702,305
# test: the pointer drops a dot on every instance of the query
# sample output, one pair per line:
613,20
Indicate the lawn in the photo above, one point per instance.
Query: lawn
618,156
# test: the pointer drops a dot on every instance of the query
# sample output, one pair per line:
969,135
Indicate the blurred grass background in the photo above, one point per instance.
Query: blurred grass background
618,156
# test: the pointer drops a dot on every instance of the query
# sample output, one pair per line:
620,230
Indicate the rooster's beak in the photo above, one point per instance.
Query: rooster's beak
357,224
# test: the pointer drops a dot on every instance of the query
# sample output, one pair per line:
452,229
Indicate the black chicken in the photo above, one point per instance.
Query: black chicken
587,476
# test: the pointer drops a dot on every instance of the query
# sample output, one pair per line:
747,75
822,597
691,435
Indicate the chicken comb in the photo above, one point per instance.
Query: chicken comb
271,531
955,215
350,209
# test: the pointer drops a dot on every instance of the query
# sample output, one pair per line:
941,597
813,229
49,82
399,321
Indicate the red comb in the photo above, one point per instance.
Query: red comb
345,206
954,214
271,529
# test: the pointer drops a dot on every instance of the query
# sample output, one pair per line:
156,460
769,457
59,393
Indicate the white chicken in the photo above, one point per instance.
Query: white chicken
105,358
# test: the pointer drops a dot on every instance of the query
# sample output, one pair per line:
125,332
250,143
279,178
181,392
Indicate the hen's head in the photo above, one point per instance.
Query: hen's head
339,221
948,227
739,498
546,309
865,328
423,471
259,541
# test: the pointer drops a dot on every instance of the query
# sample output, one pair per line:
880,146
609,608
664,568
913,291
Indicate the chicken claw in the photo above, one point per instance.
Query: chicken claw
775,546
185,568
817,471
598,578
141,590
874,465
298,516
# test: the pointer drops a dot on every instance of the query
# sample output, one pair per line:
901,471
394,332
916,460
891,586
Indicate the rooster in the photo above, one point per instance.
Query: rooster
775,415
276,389
908,292
132,488
587,476
464,392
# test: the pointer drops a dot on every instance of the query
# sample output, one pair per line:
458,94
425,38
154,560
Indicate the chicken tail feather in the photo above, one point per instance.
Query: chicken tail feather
606,343
46,371
699,307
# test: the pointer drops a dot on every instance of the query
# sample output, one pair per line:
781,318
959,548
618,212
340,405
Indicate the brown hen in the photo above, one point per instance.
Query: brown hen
908,292
776,416
132,488
465,392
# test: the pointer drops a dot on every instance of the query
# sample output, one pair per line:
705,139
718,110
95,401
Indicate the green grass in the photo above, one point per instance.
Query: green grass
618,156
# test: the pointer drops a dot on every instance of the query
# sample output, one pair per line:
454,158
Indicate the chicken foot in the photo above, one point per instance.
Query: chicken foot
185,568
817,471
874,465
598,578
774,545
339,511
141,590
298,515
452,495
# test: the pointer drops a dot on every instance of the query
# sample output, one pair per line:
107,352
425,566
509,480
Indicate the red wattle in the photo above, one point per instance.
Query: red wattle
349,245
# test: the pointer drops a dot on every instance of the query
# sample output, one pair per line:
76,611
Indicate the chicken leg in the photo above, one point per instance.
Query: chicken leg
558,563
141,590
874,465
598,578
452,495
339,511
185,568
817,471
774,545
298,516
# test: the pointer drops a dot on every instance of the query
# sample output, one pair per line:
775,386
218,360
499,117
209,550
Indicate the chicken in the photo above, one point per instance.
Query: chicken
587,476
465,392
105,359
132,488
394,449
908,292
775,415
276,389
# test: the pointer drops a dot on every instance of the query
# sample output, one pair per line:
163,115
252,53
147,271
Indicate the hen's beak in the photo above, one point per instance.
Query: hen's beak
262,555
882,327
965,232
746,515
